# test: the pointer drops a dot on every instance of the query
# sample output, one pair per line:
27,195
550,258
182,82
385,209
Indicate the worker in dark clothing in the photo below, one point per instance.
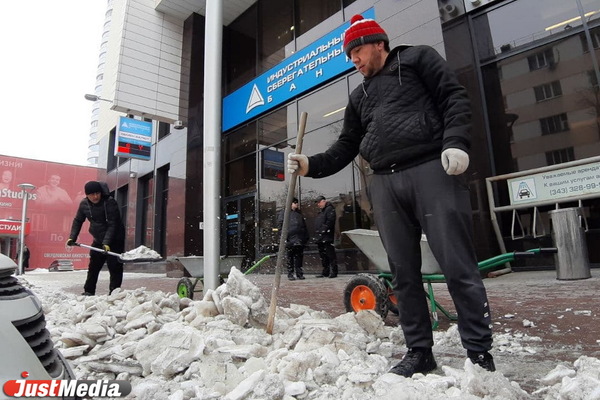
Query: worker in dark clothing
297,237
324,235
108,231
26,256
410,119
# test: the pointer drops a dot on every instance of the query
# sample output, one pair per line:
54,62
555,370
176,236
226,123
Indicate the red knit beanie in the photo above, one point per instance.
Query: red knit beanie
363,31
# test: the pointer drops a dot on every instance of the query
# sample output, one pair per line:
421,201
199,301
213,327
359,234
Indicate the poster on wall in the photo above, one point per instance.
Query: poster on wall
51,206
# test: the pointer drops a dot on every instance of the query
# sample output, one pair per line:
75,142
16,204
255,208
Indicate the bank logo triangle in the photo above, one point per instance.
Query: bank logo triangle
255,100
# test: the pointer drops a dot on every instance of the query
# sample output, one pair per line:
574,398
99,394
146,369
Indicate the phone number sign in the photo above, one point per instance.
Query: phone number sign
554,185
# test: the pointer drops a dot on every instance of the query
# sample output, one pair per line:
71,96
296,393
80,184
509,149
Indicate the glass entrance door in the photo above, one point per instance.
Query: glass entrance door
240,227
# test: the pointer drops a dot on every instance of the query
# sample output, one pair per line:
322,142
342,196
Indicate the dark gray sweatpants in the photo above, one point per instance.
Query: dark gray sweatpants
426,198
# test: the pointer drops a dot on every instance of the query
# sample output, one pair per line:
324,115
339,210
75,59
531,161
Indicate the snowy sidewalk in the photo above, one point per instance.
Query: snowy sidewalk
534,314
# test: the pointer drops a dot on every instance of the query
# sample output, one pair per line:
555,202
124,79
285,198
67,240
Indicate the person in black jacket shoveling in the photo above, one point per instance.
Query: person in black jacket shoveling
108,232
297,237
410,119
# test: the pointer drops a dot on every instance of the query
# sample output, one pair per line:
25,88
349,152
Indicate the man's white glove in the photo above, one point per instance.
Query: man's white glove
297,163
455,161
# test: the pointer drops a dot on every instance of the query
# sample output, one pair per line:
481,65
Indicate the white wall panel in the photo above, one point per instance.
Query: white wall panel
148,77
166,86
143,37
167,107
139,55
148,72
142,83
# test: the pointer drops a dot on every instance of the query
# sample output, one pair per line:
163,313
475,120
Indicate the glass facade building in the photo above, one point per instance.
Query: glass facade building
531,70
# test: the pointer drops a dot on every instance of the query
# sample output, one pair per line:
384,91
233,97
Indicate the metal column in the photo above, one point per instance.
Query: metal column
212,141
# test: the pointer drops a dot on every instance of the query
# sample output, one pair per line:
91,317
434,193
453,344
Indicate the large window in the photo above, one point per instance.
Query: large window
240,175
275,35
554,124
560,156
520,23
595,35
162,199
312,12
239,155
240,143
240,50
146,232
345,190
163,129
253,47
541,59
547,91
550,105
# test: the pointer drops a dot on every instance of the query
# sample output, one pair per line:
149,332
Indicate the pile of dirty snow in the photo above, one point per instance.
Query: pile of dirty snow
217,348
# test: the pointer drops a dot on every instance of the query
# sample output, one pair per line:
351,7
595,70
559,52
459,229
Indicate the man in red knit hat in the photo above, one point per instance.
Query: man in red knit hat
410,119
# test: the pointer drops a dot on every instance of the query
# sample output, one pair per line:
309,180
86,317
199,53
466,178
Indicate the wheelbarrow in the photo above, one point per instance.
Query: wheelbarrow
194,265
375,291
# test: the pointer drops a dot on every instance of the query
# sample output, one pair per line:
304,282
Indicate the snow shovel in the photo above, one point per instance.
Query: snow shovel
140,254
284,228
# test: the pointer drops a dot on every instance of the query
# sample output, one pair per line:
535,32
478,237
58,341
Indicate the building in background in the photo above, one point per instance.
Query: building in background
93,143
51,207
531,72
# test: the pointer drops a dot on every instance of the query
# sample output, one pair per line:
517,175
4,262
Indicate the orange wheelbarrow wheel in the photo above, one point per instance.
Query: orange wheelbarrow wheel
366,292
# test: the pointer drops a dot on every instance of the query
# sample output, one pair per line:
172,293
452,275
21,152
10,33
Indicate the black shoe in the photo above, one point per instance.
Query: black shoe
483,359
301,277
320,276
333,276
291,277
87,294
416,360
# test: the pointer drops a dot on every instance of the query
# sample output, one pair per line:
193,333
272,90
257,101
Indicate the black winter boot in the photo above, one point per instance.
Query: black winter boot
416,360
483,359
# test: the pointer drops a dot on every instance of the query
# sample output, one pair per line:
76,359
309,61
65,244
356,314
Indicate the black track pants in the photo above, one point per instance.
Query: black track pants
97,260
426,198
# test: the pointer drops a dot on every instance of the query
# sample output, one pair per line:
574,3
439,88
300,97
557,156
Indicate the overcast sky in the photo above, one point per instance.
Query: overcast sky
49,53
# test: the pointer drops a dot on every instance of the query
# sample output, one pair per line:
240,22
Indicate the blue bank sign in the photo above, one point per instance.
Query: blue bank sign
310,67
134,138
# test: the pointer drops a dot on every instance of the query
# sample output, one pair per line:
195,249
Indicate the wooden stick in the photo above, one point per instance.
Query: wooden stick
284,228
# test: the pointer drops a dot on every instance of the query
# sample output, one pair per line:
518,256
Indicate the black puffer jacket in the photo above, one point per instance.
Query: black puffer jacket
297,234
407,114
106,225
325,224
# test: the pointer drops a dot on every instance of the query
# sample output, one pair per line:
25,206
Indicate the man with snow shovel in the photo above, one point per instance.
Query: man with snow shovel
108,231
410,119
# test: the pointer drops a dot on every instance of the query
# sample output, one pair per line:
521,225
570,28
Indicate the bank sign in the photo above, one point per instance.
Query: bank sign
307,68
134,138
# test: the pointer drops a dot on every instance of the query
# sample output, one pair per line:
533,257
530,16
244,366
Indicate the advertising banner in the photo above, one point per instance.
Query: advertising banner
51,207
555,185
